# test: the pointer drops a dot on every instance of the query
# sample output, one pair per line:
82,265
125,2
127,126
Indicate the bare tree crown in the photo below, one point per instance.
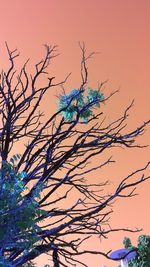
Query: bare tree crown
56,157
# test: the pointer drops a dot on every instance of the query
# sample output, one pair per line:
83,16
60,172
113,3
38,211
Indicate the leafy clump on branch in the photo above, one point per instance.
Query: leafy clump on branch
77,103
35,186
143,251
18,216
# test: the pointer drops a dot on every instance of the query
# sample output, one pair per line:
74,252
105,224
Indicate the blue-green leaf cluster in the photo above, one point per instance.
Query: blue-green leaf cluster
18,216
77,102
143,251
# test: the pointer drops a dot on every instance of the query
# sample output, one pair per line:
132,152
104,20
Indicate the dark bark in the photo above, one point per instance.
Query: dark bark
56,258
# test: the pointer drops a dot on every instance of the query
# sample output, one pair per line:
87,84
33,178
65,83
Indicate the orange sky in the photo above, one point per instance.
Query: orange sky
120,31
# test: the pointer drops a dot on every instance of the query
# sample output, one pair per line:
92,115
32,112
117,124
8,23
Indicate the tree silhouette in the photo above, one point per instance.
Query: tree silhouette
43,218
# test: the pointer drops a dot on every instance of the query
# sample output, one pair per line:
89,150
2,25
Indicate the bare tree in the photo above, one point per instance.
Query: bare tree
56,160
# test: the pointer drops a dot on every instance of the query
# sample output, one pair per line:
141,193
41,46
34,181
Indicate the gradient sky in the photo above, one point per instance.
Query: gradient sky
120,31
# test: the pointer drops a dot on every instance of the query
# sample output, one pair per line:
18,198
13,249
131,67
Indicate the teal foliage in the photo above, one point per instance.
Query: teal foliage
76,102
143,251
127,243
18,217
